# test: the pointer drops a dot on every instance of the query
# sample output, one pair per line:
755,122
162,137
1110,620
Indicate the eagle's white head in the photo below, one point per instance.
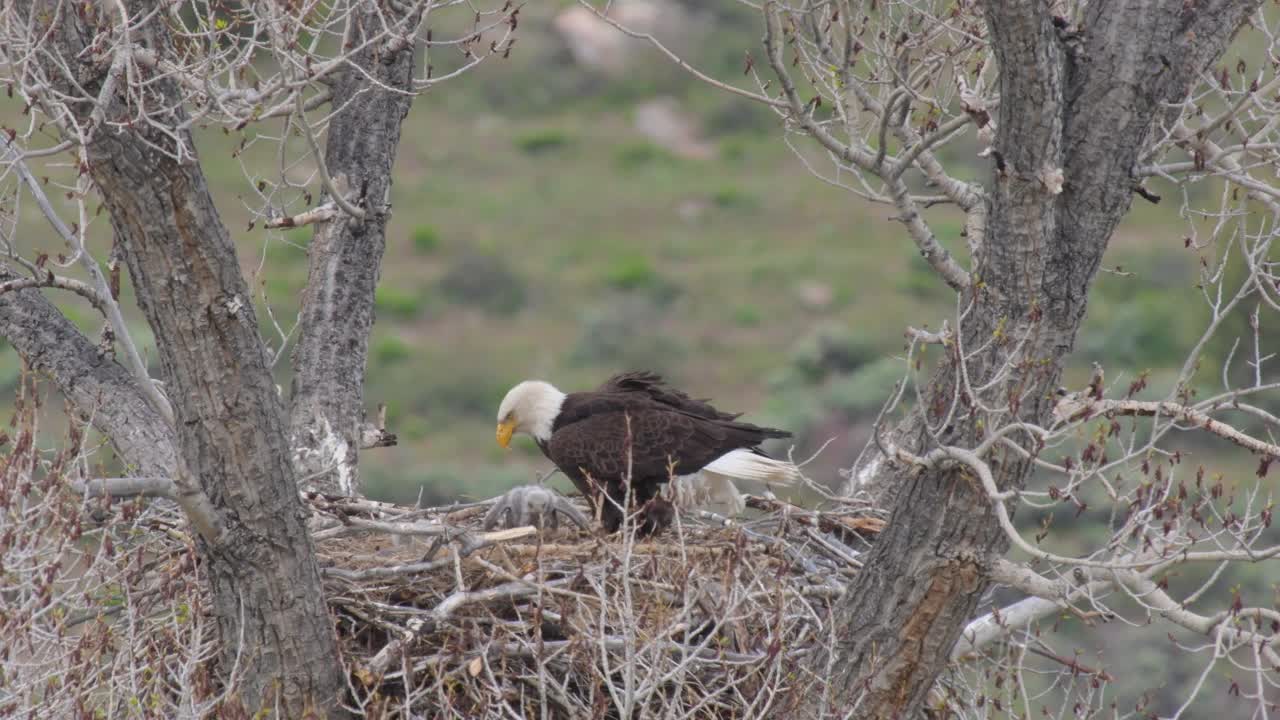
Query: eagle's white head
531,408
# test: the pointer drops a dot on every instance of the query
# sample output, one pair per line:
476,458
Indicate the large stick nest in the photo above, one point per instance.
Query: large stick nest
442,618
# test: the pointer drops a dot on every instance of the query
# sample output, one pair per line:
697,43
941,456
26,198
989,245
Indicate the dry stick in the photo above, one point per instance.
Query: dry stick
375,435
711,656
1074,665
702,659
125,487
471,543
825,522
353,525
377,666
320,214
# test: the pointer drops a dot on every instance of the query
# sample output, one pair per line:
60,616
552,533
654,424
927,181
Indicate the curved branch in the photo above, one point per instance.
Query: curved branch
56,281
110,307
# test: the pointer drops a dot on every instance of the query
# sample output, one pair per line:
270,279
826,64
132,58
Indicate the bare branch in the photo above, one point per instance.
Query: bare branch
57,281
105,299
1076,407
320,214
126,487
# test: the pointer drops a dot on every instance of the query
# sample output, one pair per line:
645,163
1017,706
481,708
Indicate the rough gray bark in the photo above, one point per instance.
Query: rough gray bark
345,256
231,430
96,384
1084,104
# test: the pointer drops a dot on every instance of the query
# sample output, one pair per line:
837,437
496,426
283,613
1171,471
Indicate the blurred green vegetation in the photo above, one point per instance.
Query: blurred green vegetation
542,140
425,239
536,233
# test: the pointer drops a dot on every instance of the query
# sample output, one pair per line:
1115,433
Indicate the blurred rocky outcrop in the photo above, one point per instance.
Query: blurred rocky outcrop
603,48
664,123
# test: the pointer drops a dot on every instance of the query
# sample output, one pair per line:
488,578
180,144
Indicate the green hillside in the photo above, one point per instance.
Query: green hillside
537,233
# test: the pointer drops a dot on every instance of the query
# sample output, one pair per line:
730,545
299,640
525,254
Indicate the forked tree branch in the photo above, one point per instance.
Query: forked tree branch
102,296
100,388
803,114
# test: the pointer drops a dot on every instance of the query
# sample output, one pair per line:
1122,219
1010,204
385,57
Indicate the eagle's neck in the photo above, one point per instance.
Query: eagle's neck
543,414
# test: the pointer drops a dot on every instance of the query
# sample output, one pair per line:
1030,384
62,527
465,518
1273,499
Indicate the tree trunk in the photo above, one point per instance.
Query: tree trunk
327,417
1082,104
266,587
102,390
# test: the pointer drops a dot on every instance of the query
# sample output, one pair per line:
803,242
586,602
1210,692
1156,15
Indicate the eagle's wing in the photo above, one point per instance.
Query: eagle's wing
654,440
602,439
651,385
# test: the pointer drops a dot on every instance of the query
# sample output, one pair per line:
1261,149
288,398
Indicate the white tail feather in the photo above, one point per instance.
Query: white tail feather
707,490
746,465
713,486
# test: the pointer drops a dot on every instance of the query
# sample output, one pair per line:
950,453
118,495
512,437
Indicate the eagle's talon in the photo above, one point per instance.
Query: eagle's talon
533,505
657,515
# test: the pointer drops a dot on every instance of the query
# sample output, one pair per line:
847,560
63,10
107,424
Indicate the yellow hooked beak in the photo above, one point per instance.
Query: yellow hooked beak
505,429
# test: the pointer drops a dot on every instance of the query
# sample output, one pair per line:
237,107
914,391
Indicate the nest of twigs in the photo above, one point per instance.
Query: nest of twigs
442,618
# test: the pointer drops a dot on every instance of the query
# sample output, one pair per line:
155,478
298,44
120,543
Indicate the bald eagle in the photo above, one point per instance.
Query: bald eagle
636,426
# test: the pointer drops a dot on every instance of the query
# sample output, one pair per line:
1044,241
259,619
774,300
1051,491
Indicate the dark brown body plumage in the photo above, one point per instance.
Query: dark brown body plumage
635,426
